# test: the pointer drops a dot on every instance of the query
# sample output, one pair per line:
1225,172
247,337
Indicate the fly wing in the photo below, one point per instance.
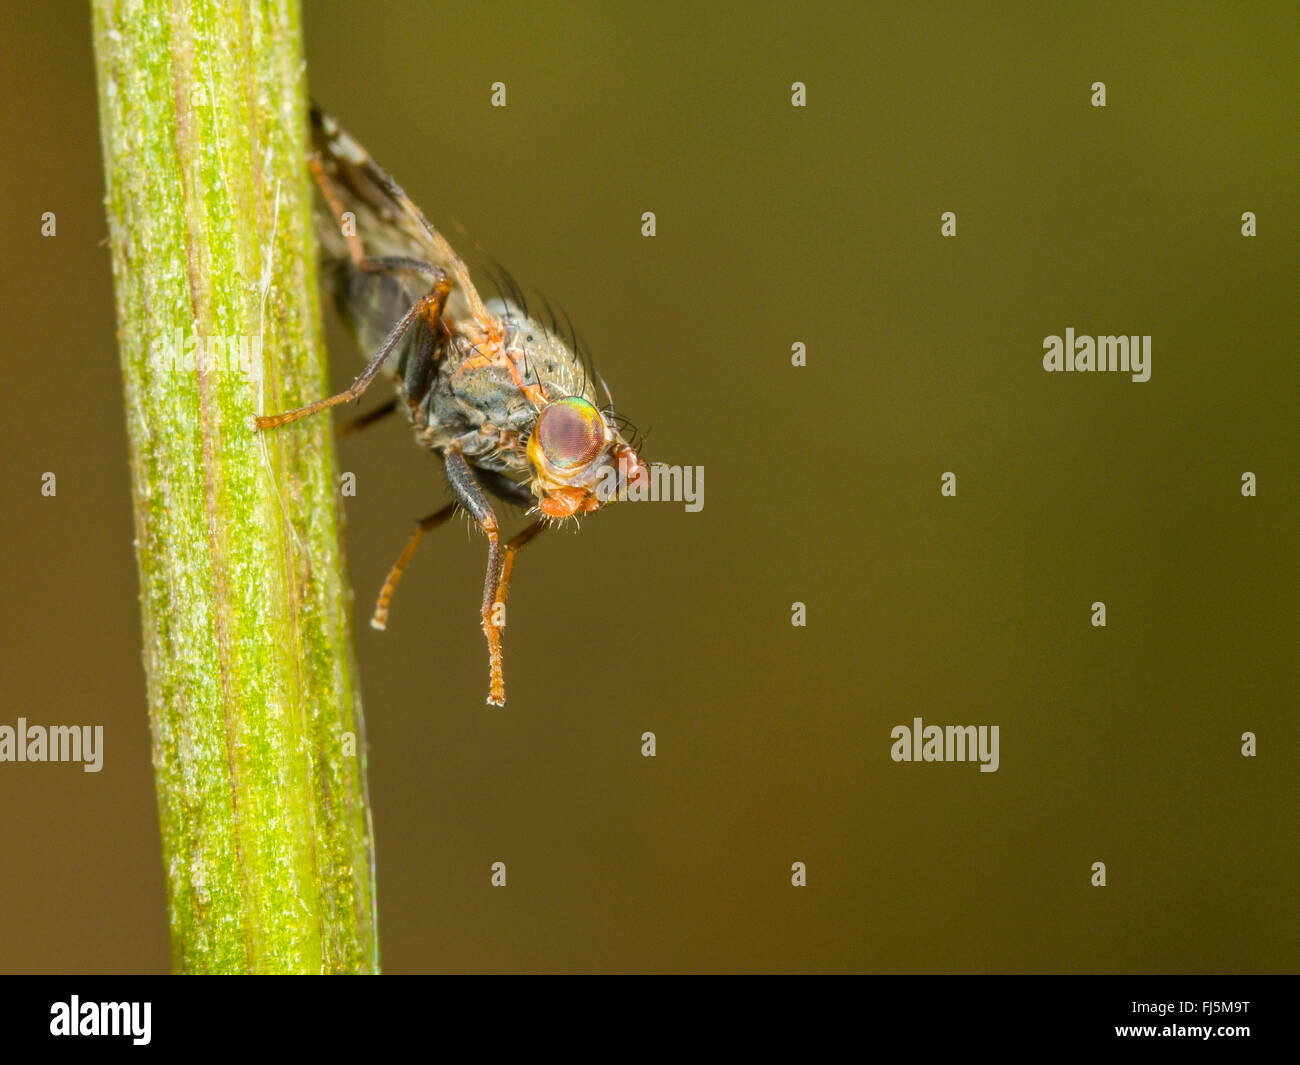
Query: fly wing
387,222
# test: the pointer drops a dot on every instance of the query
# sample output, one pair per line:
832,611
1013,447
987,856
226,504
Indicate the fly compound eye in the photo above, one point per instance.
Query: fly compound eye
570,433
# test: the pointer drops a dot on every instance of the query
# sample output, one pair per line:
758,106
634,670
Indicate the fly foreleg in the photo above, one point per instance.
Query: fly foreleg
518,494
471,496
508,563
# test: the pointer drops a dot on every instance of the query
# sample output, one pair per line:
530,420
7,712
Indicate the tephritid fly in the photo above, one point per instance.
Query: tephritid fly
509,405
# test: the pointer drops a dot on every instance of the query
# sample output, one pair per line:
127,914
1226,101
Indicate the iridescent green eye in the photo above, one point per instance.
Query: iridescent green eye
570,433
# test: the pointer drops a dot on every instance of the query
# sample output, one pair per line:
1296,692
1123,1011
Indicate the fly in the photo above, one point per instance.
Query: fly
506,402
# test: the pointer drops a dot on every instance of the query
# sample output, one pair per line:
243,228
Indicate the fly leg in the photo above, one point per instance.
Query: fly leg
379,620
331,197
429,307
518,494
508,564
501,486
471,496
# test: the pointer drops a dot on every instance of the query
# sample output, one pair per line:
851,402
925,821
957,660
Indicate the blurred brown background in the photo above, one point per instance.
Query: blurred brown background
776,225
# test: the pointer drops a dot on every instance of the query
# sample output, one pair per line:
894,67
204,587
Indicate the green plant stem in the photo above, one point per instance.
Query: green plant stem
258,751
